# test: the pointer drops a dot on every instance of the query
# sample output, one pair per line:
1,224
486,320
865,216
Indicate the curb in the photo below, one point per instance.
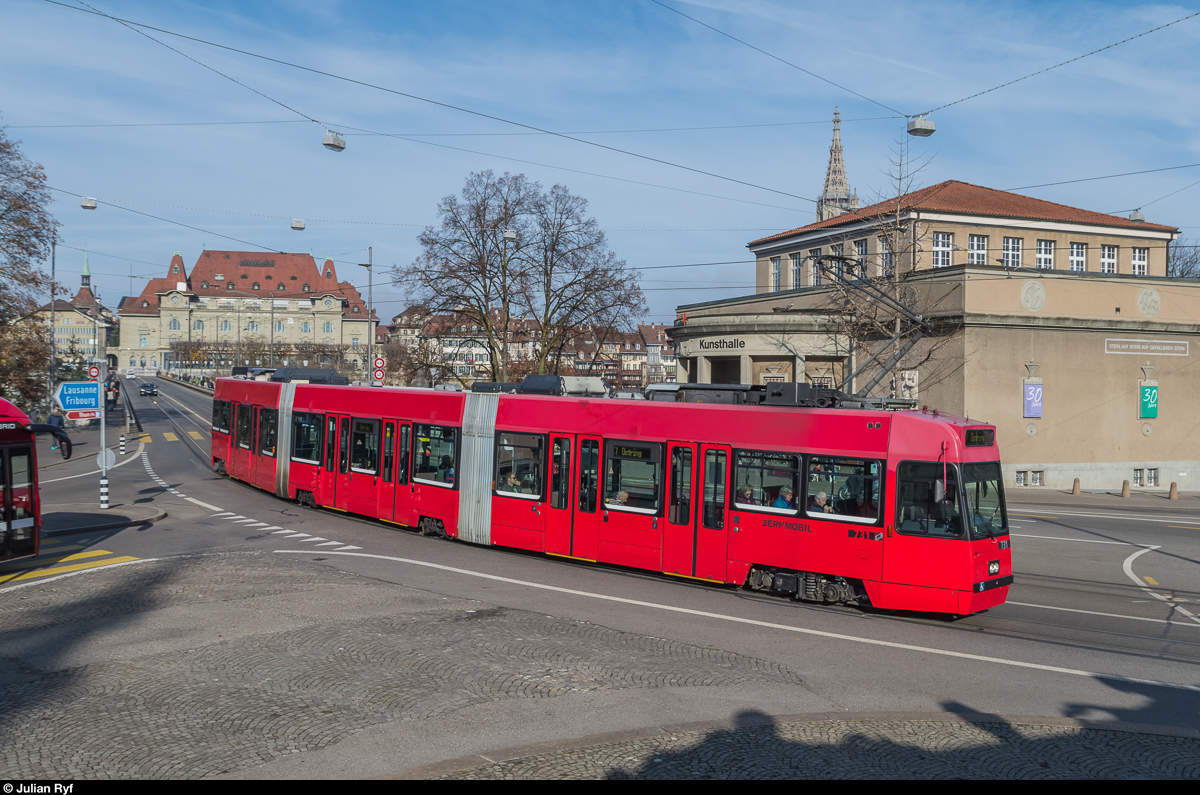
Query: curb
488,758
159,513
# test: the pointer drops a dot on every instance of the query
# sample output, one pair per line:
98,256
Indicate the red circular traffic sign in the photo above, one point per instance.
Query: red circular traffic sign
378,362
93,372
378,374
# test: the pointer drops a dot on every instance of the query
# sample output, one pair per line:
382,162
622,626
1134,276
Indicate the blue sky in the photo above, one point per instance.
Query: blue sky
612,65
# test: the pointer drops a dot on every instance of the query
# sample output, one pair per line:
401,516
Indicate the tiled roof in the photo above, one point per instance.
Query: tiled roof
953,196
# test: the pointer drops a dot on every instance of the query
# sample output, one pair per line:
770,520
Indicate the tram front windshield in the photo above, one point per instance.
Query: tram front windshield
984,500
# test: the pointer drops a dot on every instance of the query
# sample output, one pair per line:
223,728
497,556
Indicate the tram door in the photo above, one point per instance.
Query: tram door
244,439
342,475
17,507
329,472
696,540
255,453
393,470
572,519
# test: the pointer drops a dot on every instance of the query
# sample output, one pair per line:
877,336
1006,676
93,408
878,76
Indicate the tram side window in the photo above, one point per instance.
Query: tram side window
767,480
927,502
519,464
243,426
589,474
21,540
844,488
220,421
344,446
389,449
266,431
330,442
560,473
714,489
404,447
436,451
679,502
633,477
306,437
364,442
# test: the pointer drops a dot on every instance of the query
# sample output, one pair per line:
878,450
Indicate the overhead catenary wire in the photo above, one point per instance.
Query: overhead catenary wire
436,103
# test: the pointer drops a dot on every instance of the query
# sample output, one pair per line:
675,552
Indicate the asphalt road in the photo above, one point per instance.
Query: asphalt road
1101,624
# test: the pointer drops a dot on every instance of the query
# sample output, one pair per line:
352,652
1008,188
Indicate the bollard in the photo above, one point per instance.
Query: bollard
1174,494
123,447
1074,489
1124,488
103,494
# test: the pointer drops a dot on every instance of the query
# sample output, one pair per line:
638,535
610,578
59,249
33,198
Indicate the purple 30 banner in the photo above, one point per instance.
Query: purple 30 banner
1033,401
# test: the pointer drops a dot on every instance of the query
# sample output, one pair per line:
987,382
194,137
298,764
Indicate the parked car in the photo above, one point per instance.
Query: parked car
130,375
149,389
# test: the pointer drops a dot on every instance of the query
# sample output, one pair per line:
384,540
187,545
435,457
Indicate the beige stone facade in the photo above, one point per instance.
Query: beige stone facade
1086,342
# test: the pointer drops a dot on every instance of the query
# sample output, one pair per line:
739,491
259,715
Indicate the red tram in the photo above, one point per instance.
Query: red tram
900,510
20,508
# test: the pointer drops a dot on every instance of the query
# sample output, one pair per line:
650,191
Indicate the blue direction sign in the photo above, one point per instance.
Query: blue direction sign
78,396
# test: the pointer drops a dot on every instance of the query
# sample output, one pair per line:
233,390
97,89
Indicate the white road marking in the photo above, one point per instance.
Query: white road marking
343,549
1106,615
314,538
296,535
244,521
277,532
274,527
1125,516
231,518
257,524
1080,540
329,543
769,625
1127,566
215,515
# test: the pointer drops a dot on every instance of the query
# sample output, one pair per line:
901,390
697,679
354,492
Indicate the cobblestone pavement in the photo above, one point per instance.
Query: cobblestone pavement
860,748
129,675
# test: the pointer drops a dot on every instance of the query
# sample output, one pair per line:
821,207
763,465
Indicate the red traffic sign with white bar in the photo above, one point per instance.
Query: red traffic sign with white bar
83,415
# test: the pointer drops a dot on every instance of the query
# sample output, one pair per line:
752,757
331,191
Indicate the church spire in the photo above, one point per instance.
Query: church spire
85,277
836,198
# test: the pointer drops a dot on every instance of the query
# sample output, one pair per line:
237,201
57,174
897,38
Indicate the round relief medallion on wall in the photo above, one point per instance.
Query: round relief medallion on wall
1030,429
1149,302
1033,296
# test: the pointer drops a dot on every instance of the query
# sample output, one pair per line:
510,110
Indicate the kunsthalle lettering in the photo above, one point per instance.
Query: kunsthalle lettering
713,345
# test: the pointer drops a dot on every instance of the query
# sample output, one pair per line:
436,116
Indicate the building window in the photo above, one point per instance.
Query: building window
1036,478
173,325
328,328
278,325
307,288
198,325
226,326
281,287
815,256
254,286
204,284
1140,261
305,327
174,269
774,274
1137,477
860,254
143,340
941,249
252,325
795,271
1012,252
1045,254
354,342
228,285
977,250
1108,259
1151,477
1078,257
887,259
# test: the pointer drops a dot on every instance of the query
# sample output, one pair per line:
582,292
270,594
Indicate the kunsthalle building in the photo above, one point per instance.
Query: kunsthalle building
1057,324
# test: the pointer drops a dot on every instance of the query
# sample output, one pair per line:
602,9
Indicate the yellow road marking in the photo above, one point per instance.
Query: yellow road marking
170,437
33,563
146,438
64,569
196,436
1149,580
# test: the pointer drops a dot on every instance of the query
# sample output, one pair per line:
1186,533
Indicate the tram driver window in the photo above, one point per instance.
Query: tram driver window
767,480
846,489
435,450
633,476
519,464
266,431
364,446
927,501
243,426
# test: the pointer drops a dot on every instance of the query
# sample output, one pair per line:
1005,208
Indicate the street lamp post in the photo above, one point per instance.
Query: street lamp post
370,311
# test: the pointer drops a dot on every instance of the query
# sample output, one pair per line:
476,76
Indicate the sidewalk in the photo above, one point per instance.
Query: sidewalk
60,519
848,746
1136,501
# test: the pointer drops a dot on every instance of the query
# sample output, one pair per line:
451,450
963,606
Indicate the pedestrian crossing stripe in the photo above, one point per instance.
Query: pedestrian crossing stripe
196,436
29,575
170,437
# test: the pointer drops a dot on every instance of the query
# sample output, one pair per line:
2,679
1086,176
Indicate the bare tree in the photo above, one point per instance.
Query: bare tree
27,232
471,268
1183,259
573,278
507,253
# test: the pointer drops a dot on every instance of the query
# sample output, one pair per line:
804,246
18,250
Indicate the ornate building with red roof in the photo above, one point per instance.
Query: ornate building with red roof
245,308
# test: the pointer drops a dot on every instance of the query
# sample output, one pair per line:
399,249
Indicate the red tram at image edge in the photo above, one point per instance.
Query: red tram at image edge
20,505
900,510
